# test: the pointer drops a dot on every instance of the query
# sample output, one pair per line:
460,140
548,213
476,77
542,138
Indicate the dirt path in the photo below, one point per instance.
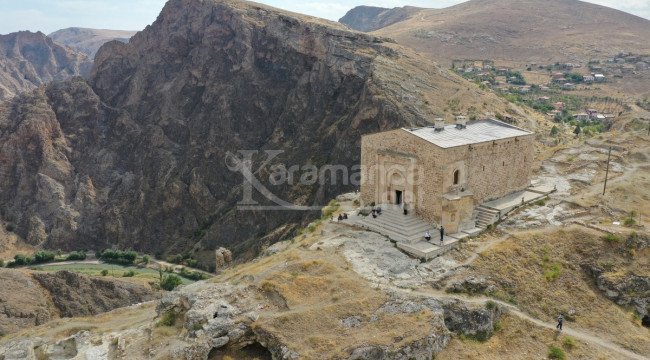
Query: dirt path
578,334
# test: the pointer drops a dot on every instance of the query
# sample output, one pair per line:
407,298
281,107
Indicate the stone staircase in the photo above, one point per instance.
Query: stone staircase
486,216
393,223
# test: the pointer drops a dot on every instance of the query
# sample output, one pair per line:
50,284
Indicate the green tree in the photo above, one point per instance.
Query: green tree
43,256
170,282
554,130
21,259
104,272
146,258
2,263
577,130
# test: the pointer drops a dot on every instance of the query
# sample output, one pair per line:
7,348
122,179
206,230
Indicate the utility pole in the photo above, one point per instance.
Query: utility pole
609,155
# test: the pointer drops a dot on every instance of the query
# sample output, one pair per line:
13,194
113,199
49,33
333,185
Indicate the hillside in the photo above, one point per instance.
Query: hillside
28,60
521,31
88,40
370,18
139,155
32,298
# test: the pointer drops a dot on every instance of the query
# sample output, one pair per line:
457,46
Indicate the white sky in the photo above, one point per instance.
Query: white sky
51,15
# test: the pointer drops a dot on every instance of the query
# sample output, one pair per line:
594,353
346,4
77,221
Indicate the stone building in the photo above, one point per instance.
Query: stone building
443,172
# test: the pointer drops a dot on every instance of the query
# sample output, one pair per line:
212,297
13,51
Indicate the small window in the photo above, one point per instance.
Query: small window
504,163
483,167
456,177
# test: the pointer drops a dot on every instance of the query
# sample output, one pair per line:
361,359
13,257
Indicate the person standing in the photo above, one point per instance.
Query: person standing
559,322
406,211
442,235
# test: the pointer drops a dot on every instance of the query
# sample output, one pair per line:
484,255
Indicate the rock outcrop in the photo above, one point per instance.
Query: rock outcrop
145,154
28,60
224,316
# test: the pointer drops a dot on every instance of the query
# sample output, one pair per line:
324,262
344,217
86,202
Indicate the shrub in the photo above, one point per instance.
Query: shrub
633,235
146,259
129,273
43,256
167,320
556,353
491,304
497,326
629,221
540,202
10,228
569,343
76,255
2,263
104,272
311,228
21,259
611,239
170,282
119,257
553,273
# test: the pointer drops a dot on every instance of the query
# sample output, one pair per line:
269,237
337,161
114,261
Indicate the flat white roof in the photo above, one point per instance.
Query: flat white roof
475,132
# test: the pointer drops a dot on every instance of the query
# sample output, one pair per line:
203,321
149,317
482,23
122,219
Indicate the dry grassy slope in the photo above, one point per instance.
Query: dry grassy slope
518,268
522,31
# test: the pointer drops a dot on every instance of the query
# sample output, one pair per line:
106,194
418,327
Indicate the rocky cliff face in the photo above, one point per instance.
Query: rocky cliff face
140,155
28,60
88,41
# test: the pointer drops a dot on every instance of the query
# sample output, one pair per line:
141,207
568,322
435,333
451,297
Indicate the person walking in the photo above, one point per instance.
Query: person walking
559,322
427,236
442,235
406,209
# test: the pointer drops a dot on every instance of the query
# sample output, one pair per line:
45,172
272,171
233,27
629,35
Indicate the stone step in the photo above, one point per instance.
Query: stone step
397,222
403,232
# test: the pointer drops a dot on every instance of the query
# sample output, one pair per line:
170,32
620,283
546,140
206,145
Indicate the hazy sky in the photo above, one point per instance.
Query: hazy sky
51,15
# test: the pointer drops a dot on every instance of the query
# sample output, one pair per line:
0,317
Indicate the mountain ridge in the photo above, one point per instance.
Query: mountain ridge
30,59
89,40
521,31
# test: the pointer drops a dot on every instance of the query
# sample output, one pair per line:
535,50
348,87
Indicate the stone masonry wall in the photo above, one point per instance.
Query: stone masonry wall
489,170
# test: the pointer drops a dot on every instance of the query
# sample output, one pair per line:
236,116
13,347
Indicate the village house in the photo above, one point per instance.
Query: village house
543,99
641,65
568,86
581,116
599,77
559,105
592,113
627,69
443,172
588,79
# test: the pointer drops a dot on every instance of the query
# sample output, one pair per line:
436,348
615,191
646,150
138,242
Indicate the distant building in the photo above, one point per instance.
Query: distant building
599,77
581,116
627,69
544,99
559,105
568,86
588,79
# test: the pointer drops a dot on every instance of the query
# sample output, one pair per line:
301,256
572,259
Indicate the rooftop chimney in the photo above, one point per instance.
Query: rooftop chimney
461,122
439,124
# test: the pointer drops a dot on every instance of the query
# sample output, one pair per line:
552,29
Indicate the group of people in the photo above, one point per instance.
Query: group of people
427,235
342,216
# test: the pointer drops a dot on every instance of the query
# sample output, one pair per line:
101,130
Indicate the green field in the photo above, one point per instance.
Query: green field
96,270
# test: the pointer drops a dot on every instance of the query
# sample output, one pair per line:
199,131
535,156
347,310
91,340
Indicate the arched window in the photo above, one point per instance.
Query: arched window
456,177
